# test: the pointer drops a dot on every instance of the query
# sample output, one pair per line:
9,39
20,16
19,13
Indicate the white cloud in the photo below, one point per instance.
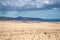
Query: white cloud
46,1
21,3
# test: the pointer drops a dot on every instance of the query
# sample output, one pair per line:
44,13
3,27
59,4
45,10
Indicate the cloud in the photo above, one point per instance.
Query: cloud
29,4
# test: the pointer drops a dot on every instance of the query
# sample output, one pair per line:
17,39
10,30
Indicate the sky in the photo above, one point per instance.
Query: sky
46,9
49,14
29,4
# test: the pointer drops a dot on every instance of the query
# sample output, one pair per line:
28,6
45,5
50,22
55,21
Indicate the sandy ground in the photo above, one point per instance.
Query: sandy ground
11,30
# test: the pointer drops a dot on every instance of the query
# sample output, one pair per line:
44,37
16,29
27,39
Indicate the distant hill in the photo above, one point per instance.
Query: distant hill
29,19
21,18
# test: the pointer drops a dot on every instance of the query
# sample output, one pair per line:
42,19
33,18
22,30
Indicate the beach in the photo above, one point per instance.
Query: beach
17,30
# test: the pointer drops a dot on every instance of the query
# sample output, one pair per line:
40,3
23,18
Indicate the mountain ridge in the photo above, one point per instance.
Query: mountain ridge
29,19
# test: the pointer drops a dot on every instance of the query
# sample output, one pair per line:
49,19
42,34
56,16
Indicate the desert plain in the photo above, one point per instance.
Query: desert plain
17,30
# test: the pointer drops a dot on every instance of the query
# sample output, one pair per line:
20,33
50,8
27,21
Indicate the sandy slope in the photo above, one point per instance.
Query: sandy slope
11,30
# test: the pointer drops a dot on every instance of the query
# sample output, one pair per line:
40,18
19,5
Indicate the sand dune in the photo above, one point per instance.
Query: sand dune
16,30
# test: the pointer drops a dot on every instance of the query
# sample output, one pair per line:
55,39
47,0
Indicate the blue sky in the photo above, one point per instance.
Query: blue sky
49,14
